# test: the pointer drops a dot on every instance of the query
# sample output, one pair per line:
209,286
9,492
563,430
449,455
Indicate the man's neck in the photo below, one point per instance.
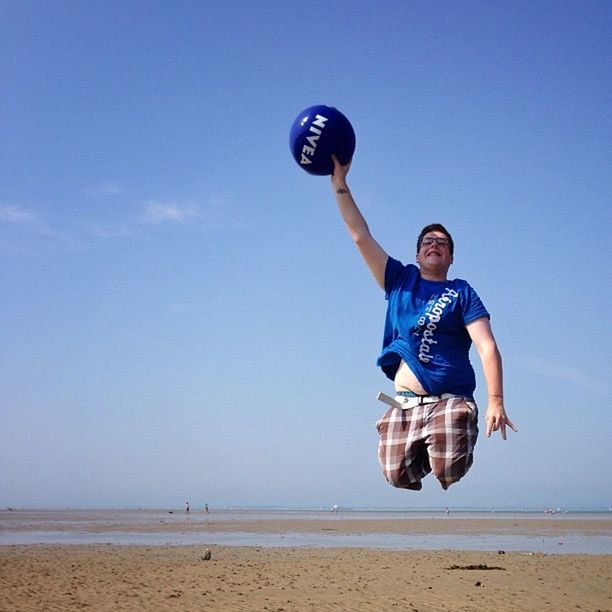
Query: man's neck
434,275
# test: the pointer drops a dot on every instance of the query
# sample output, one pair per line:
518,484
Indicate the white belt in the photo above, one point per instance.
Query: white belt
405,403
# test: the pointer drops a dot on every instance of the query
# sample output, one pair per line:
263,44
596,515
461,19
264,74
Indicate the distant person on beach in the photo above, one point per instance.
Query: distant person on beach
186,507
206,510
431,322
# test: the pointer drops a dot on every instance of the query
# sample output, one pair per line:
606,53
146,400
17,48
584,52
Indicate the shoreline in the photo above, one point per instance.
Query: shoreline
308,521
542,534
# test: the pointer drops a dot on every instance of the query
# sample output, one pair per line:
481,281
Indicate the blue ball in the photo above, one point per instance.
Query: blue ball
317,133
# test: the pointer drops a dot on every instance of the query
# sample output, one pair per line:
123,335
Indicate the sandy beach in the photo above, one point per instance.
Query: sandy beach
111,577
177,578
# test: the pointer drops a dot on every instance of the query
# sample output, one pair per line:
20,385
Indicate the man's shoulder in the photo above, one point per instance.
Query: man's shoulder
397,272
397,265
460,283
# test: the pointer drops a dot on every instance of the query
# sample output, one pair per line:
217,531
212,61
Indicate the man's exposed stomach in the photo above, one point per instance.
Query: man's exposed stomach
405,380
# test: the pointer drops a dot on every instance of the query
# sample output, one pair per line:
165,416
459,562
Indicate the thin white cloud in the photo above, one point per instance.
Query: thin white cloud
560,371
11,213
27,232
39,238
162,212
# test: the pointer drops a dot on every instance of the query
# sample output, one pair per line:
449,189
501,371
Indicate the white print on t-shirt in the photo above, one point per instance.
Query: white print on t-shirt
433,314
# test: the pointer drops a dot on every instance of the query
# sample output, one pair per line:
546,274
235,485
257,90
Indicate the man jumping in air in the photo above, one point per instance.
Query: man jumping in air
431,322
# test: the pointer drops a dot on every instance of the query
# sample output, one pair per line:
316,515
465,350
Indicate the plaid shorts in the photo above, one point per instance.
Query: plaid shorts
438,437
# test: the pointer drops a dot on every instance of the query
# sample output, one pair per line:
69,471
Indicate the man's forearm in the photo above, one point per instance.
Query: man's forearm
493,373
354,220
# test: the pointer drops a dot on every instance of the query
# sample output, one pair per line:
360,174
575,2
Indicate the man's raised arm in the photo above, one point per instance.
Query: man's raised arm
373,254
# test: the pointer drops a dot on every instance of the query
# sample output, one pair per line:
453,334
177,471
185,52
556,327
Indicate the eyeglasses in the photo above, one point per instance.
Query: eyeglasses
430,240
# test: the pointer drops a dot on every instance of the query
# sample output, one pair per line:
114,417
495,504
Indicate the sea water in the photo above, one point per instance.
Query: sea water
140,527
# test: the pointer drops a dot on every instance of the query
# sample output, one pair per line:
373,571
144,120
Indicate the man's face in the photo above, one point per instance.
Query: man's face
435,251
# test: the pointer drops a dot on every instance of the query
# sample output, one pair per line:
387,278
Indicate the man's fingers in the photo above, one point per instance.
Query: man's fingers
511,425
337,164
499,422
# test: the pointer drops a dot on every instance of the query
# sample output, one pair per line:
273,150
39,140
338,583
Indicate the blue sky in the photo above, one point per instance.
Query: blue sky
183,314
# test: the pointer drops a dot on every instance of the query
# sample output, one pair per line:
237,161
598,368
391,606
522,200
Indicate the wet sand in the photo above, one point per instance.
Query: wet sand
274,522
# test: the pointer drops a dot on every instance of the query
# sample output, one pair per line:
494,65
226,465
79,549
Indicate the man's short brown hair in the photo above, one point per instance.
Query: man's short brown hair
436,227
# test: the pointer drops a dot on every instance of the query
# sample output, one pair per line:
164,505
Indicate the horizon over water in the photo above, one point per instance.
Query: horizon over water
198,506
167,526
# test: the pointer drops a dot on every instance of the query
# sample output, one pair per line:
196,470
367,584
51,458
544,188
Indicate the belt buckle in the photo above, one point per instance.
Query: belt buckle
408,403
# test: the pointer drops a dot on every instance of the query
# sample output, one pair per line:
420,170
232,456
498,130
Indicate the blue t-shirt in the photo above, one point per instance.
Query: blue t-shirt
425,326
